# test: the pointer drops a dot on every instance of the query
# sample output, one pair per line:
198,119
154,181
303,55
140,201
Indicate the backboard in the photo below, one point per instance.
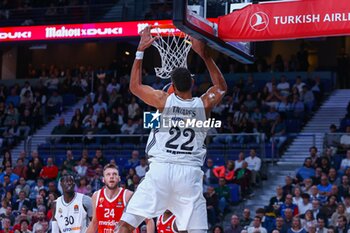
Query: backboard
191,17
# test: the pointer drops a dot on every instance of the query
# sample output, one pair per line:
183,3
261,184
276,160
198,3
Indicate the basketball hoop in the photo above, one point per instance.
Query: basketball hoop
173,47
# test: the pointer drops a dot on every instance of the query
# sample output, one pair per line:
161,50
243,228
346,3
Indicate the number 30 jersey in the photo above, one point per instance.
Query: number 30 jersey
180,137
109,212
72,217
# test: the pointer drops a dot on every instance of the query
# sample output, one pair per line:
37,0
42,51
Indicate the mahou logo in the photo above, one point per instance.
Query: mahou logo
259,21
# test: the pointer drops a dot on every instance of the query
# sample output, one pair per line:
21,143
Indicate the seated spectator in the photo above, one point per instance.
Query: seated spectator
91,171
142,168
321,225
6,225
276,202
100,157
272,114
129,127
22,186
297,199
11,114
13,177
69,163
299,84
288,217
12,134
8,212
283,106
246,220
306,171
305,204
342,224
297,107
339,212
13,98
288,204
345,139
21,201
243,178
59,129
250,103
50,171
278,131
324,187
273,98
296,226
239,161
333,177
314,195
308,99
223,192
343,188
33,170
90,131
133,108
256,226
209,176
96,182
283,87
254,165
113,85
333,139
227,172
345,163
288,187
280,226
81,168
329,207
54,104
83,186
235,227
134,161
24,227
212,202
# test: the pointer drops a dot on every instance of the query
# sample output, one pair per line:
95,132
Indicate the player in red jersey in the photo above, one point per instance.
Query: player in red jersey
109,203
166,223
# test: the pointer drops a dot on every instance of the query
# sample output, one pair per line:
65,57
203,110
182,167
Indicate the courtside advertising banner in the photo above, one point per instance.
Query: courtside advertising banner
286,20
79,31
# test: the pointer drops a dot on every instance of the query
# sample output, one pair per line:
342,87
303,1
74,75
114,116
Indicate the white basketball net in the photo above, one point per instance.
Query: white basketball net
173,51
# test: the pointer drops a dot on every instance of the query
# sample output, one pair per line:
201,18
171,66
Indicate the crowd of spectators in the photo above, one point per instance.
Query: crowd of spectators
30,185
317,199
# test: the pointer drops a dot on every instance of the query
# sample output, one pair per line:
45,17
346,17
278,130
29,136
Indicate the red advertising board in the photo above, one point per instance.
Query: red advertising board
78,31
286,20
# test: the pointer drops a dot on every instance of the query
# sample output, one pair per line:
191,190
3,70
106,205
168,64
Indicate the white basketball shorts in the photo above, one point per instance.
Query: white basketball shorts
177,188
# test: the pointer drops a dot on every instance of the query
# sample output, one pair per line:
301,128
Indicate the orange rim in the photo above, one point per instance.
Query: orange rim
163,26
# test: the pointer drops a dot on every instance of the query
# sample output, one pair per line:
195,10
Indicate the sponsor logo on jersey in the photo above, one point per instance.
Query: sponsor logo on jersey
76,208
107,223
60,211
69,229
120,202
101,199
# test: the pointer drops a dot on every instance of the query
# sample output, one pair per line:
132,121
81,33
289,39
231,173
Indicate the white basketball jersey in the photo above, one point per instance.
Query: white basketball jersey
71,217
179,143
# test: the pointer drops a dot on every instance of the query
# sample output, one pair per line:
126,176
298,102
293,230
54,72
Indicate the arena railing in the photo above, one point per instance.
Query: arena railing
220,147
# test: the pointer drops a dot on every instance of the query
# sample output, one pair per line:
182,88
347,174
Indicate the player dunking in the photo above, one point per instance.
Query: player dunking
72,211
174,180
166,223
109,203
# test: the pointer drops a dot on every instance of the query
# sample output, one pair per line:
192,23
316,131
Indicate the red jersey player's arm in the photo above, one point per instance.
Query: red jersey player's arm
150,96
149,222
93,224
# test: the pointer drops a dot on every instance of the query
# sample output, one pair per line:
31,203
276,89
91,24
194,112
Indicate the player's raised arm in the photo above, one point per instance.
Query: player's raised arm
93,224
155,98
215,93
